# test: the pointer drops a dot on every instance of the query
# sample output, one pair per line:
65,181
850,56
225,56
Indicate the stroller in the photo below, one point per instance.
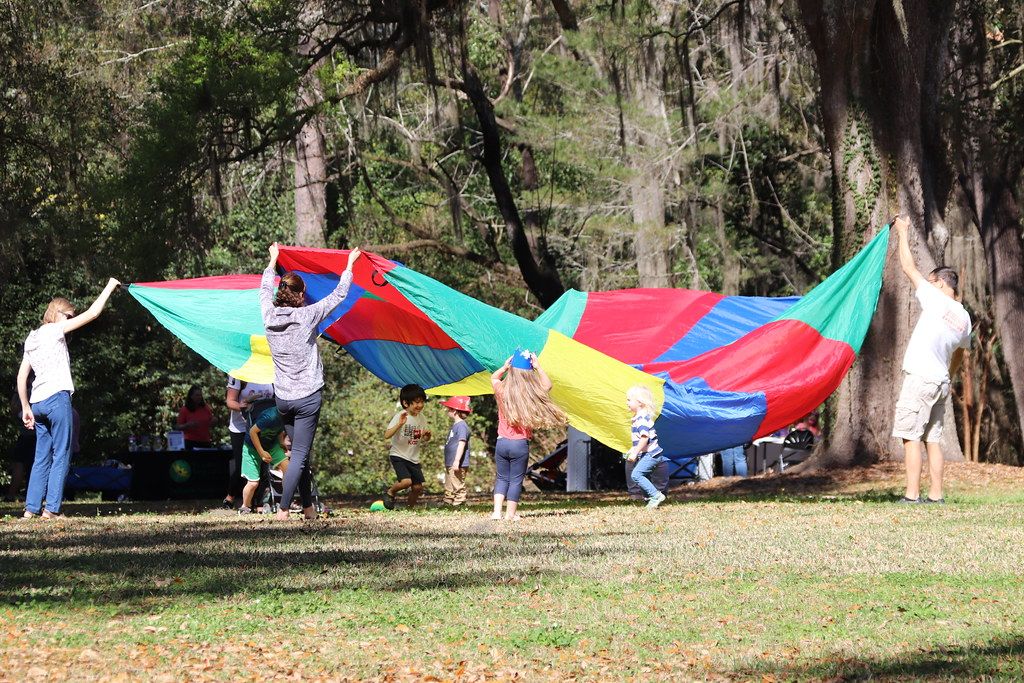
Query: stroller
272,480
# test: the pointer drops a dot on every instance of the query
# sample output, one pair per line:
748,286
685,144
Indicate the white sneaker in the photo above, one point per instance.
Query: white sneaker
655,500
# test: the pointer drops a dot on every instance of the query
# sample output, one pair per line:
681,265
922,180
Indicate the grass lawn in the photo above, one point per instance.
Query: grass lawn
765,579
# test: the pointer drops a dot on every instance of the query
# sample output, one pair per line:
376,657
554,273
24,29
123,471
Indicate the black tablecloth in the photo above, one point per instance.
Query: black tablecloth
178,475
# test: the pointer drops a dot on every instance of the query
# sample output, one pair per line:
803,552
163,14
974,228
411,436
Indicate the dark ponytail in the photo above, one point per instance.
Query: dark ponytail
291,291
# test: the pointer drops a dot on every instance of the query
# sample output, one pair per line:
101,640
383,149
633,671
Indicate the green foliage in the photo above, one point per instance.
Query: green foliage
157,142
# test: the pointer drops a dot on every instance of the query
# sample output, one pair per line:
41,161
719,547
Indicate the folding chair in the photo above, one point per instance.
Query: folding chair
796,448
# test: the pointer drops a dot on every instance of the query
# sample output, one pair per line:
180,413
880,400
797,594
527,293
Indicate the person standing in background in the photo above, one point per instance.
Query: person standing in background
195,419
240,396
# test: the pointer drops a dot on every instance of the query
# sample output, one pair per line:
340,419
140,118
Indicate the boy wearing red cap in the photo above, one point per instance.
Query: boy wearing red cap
456,451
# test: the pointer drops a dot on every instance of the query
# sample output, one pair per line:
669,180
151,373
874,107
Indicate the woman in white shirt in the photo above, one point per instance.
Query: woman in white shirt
47,409
239,397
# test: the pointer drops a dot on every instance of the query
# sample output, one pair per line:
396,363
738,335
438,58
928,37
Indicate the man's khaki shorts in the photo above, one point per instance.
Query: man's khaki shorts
920,409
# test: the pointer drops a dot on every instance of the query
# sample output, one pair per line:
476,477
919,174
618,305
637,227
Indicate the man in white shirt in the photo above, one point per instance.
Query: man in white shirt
934,351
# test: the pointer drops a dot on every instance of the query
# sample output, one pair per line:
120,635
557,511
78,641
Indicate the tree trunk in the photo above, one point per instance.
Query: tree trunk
566,17
1001,234
542,278
648,138
879,70
310,146
989,169
731,273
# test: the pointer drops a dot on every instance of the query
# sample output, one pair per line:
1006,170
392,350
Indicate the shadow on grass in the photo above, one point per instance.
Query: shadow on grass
813,486
1002,658
133,567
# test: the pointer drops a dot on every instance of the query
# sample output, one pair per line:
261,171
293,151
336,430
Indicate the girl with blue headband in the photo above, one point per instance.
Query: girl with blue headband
522,391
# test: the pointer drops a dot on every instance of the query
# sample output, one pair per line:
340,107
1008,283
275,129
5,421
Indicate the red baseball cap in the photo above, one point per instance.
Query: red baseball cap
457,403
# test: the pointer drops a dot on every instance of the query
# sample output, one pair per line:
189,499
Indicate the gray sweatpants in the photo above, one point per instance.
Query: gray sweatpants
300,417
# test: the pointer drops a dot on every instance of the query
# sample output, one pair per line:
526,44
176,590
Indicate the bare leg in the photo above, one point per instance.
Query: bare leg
498,500
309,512
399,486
912,460
510,509
248,491
414,494
935,465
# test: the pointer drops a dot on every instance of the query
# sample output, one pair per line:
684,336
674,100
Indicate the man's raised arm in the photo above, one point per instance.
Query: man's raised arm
902,225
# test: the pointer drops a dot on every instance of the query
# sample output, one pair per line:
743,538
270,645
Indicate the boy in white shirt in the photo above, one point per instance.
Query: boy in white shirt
408,431
934,351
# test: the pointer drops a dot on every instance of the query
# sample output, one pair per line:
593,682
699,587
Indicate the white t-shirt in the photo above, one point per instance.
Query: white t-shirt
47,352
943,327
405,443
249,394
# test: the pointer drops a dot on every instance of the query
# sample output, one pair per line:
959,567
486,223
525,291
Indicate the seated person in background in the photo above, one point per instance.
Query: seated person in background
810,424
194,419
264,441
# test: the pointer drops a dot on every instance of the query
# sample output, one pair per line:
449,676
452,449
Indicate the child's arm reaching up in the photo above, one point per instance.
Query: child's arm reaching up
498,374
393,429
545,381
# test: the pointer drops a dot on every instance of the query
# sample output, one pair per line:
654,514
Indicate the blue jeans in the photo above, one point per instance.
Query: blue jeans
734,462
644,466
511,457
53,453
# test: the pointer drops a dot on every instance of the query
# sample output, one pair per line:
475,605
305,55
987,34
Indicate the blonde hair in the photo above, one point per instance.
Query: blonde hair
642,395
56,307
525,404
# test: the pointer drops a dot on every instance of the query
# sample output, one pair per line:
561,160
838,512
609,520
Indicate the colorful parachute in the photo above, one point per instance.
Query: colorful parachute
724,370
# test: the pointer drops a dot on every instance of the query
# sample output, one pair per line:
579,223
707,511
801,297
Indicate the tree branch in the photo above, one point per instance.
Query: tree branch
542,279
693,29
425,236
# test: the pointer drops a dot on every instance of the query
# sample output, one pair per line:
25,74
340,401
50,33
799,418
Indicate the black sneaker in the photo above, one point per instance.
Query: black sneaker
228,504
389,501
927,501
909,501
